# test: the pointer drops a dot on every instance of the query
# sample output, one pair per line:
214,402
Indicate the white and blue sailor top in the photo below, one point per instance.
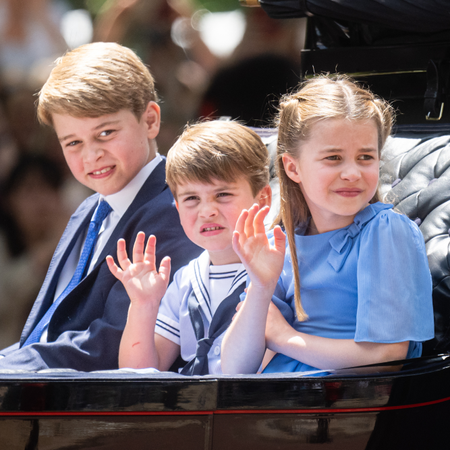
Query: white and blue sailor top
211,284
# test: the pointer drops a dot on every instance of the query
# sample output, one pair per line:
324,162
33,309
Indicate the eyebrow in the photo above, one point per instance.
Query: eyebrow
101,125
218,189
339,150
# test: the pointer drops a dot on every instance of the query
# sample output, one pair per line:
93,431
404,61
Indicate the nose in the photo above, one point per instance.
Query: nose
92,153
208,210
351,172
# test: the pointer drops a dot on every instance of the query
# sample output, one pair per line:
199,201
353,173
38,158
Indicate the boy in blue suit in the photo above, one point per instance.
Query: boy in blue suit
101,101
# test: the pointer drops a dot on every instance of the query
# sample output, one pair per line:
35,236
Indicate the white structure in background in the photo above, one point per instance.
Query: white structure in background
222,32
77,27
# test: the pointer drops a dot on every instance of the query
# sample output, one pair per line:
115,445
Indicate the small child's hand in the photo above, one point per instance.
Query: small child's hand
140,277
264,262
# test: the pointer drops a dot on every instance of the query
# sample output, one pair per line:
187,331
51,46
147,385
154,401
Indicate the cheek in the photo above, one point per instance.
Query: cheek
315,183
374,176
187,221
233,215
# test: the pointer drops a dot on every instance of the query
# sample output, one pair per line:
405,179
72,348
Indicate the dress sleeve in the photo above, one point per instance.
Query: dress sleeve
394,282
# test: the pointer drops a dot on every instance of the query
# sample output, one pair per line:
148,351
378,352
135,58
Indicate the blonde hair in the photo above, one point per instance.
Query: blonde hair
222,150
94,80
323,97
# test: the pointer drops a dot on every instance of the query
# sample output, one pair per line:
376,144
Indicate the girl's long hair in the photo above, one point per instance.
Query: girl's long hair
323,97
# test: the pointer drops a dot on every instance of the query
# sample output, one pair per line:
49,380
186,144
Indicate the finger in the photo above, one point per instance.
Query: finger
249,230
122,255
164,269
279,239
259,220
113,267
238,307
138,248
240,223
236,244
150,251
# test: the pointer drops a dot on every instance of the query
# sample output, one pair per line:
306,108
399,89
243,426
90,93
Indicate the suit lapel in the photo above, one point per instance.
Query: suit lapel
152,187
77,224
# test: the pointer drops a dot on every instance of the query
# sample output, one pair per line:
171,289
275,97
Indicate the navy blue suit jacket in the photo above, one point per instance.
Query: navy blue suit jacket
85,330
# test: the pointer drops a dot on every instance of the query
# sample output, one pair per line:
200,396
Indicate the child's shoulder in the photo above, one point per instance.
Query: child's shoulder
383,220
377,213
185,274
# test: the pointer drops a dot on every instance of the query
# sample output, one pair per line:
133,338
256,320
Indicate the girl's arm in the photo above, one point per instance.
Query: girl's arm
326,353
145,287
244,344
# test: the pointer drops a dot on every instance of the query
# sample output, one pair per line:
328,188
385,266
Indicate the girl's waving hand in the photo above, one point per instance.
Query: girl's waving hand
264,262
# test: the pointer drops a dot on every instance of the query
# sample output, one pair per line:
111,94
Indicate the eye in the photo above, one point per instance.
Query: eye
224,194
333,158
72,143
106,133
366,157
191,198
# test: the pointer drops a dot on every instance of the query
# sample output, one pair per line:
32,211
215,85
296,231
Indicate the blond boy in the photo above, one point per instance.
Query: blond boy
215,170
101,101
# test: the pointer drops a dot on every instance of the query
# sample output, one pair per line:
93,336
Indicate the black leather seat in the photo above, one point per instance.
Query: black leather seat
415,177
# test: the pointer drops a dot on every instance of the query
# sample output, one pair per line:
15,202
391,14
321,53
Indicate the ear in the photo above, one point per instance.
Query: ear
176,204
152,117
264,197
291,167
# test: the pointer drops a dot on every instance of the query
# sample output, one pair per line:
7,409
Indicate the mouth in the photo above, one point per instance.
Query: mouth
209,228
99,173
348,192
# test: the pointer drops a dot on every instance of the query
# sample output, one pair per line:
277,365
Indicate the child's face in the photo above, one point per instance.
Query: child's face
105,153
337,170
208,214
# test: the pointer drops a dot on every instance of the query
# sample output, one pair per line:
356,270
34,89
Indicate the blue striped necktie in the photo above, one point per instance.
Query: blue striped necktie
99,216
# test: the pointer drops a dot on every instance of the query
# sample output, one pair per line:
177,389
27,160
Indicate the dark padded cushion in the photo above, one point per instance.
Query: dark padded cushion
415,177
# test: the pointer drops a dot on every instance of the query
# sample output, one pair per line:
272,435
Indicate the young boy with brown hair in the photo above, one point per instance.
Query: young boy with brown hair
215,170
101,101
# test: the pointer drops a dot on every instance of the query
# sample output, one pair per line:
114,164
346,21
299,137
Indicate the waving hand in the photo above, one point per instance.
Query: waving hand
141,279
264,262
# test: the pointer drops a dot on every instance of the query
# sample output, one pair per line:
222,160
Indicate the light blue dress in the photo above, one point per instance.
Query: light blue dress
369,281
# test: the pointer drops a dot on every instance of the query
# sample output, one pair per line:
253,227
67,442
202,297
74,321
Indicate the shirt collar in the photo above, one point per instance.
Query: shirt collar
120,201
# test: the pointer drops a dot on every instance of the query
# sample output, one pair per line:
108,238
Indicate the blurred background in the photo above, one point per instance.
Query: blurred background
209,58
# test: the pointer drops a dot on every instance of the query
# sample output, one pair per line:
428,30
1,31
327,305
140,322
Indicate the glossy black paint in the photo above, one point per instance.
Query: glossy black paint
409,409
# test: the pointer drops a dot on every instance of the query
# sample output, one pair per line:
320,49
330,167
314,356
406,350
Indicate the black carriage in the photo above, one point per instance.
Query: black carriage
403,53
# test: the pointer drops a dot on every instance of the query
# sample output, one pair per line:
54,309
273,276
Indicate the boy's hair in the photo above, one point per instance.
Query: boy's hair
320,98
94,80
222,150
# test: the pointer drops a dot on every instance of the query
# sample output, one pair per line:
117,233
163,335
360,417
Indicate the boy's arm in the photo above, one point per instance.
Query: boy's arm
141,347
145,287
244,343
